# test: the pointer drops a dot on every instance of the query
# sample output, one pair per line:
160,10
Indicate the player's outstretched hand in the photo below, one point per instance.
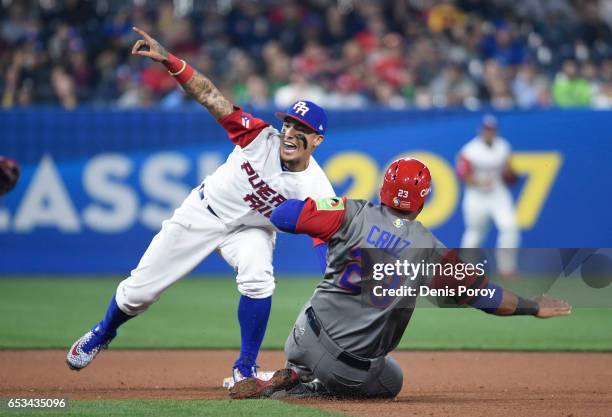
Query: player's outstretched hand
552,307
149,47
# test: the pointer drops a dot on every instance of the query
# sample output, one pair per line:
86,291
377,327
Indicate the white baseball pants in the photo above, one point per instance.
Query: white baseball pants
184,241
479,208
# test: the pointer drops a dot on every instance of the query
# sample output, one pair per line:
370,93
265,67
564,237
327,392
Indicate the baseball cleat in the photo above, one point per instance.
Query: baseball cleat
283,379
85,349
230,380
239,375
313,389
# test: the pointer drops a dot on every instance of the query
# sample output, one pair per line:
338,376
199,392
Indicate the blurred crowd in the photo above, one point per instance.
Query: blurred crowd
343,54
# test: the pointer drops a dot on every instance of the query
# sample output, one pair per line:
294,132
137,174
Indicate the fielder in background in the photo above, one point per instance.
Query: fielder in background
483,164
341,339
228,213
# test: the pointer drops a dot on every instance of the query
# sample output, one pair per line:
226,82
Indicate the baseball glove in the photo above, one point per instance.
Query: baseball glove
9,174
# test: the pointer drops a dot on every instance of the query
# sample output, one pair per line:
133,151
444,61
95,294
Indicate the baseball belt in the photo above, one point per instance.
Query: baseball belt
331,346
203,198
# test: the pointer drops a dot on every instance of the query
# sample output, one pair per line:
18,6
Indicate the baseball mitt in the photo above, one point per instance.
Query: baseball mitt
9,174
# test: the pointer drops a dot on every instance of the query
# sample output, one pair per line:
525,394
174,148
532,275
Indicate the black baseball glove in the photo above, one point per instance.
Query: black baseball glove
9,174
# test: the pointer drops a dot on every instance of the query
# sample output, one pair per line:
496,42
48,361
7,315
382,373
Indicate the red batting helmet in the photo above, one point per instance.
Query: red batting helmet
406,184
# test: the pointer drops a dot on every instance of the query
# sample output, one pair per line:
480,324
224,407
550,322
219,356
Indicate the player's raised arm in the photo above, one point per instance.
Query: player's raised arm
194,83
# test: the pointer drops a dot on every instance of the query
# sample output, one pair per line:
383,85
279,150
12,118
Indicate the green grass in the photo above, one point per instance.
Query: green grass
201,313
201,408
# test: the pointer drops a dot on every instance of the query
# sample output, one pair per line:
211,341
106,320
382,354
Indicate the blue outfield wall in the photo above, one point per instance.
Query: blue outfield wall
96,184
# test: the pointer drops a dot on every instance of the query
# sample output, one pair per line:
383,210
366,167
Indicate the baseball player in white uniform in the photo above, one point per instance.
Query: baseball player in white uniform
228,213
484,165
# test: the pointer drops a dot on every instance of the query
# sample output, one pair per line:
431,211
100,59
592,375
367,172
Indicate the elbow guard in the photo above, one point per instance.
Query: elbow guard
286,215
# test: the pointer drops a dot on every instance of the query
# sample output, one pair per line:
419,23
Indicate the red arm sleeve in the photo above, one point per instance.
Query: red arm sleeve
464,167
241,127
321,221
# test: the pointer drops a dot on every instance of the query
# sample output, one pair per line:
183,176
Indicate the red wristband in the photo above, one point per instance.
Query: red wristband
178,68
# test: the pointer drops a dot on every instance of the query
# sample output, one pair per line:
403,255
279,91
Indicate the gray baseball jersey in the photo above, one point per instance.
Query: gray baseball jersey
361,327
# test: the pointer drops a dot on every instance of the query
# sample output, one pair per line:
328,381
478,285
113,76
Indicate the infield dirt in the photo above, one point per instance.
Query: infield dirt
436,384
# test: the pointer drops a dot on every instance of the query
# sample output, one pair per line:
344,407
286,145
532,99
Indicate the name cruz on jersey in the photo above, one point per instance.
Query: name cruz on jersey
389,242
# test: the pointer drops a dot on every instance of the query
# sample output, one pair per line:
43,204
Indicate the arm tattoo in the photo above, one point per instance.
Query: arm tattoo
163,51
204,92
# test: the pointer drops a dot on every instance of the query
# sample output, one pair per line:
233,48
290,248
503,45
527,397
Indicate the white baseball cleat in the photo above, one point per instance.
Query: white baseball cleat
237,377
85,349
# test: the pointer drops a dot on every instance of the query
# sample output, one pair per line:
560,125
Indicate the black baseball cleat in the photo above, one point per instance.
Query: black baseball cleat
313,389
283,379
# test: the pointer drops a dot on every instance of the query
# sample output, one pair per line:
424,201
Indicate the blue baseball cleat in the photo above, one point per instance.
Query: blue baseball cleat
84,350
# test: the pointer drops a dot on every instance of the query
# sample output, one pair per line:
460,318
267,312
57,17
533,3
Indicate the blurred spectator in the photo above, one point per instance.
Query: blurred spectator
277,66
539,9
569,88
350,53
388,63
603,98
606,70
386,95
346,95
452,87
299,88
257,91
63,86
590,73
530,88
426,60
605,11
501,94
504,46
444,16
15,26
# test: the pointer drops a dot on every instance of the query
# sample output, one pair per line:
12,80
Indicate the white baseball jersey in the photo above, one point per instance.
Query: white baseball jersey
487,163
252,182
489,198
242,193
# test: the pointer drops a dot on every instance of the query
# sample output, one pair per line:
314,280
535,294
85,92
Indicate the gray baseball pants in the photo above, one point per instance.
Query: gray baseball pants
309,350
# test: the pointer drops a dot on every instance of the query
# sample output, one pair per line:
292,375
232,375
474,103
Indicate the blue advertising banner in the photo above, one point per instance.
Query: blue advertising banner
96,184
